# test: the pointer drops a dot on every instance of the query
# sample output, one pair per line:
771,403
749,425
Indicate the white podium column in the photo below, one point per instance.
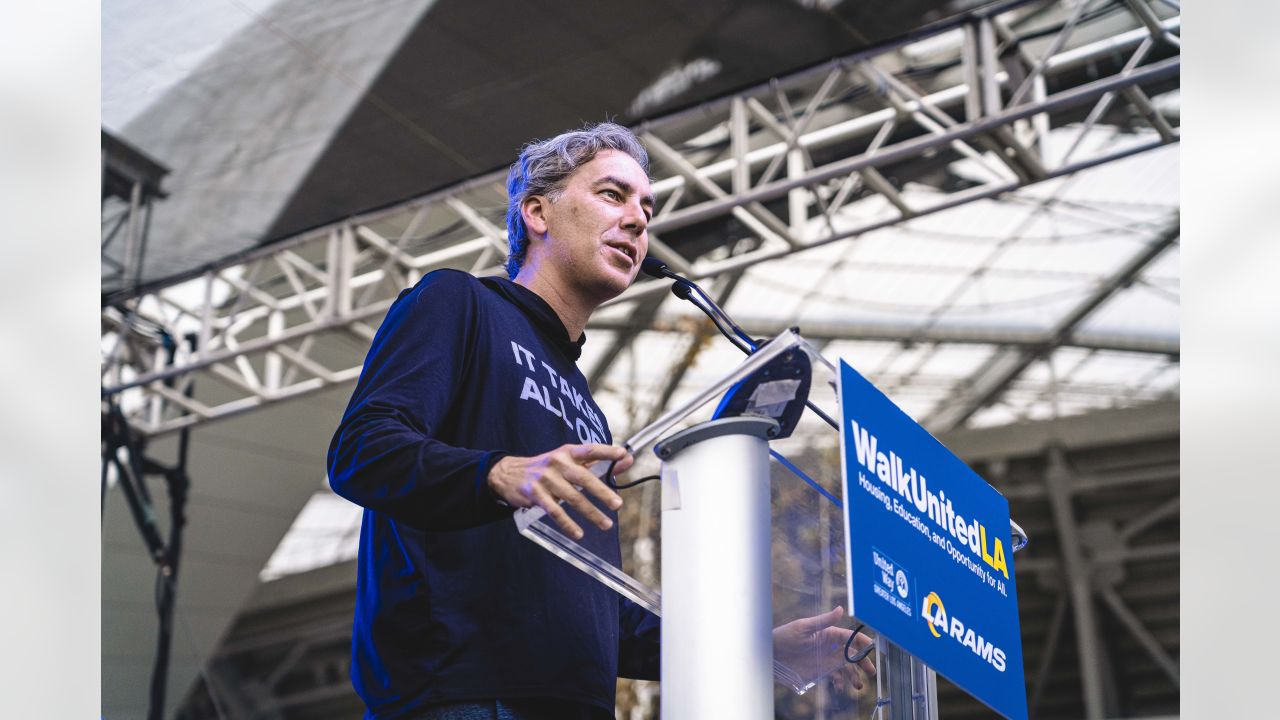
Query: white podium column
717,594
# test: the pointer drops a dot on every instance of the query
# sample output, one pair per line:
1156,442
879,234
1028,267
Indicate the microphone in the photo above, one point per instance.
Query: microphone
686,289
653,267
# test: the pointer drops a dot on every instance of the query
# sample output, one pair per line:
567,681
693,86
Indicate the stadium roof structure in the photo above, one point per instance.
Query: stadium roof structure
981,215
312,113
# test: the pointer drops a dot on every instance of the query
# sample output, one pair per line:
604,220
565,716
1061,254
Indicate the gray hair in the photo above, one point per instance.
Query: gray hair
544,166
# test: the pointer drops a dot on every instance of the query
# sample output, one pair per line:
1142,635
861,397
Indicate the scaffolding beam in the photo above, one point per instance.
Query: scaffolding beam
265,318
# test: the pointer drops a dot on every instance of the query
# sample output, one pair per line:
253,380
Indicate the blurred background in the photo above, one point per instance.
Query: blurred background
975,204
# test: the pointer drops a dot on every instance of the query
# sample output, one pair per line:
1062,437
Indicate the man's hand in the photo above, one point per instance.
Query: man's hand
544,480
813,647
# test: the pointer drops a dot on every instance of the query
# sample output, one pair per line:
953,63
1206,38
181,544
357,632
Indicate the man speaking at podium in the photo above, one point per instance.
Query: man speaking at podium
469,404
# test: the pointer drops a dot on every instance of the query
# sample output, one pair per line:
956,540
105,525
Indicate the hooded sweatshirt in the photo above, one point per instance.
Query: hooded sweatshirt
452,604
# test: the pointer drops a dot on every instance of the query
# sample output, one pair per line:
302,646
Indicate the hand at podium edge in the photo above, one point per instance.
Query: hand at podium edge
814,647
561,475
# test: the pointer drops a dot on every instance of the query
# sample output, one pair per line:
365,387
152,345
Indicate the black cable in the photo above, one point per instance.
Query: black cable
633,483
118,435
609,480
164,640
864,652
167,590
132,471
178,483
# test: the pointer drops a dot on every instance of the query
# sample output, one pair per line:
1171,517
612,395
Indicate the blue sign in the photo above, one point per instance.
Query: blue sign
929,549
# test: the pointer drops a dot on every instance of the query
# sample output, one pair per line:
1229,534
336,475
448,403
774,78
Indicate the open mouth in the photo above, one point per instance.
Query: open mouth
626,251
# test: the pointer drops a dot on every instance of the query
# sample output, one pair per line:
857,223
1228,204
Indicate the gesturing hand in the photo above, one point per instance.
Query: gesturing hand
544,480
813,647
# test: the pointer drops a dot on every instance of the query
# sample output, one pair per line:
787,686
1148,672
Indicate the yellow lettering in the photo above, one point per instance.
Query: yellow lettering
982,533
1000,563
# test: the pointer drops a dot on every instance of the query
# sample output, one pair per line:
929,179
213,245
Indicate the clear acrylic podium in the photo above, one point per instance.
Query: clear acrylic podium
751,553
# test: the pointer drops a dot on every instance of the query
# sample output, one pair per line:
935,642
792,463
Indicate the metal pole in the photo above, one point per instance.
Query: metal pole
717,593
1057,478
132,255
897,663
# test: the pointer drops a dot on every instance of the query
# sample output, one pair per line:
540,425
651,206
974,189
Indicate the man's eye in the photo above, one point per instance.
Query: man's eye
612,194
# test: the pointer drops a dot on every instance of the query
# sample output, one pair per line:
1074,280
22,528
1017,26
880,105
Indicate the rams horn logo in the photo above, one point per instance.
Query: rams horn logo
940,624
929,602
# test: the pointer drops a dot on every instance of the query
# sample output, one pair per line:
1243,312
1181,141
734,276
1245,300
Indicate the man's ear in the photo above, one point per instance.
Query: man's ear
533,211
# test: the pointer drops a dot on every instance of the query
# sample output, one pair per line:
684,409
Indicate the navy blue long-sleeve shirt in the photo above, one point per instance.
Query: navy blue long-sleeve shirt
452,604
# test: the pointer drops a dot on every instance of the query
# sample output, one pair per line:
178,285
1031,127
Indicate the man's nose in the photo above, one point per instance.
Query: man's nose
634,219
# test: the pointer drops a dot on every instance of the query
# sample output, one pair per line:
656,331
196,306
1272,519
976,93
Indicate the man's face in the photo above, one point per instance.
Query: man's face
597,229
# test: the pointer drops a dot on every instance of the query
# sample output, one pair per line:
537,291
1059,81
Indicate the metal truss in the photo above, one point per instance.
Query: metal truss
830,332
1105,567
1094,578
131,182
1010,362
781,162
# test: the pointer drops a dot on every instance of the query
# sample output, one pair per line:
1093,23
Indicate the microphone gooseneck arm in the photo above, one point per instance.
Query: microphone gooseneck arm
686,289
692,293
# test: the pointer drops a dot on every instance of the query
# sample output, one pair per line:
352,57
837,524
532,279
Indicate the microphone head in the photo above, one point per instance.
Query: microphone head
654,267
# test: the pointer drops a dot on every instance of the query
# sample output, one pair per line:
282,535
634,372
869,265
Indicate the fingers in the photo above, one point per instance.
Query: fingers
586,454
867,665
846,681
567,479
548,502
562,475
851,676
816,623
565,489
831,617
601,458
584,479
624,464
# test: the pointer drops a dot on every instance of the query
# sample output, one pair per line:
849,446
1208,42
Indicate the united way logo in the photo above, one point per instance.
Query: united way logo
894,586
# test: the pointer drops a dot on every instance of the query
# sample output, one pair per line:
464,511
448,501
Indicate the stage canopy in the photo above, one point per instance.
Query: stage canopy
976,204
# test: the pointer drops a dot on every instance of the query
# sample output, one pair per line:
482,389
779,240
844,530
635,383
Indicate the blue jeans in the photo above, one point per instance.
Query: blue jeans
515,709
